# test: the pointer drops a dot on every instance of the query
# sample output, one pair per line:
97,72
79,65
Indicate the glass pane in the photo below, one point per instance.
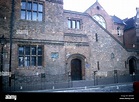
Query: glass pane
33,50
78,25
33,61
69,23
39,50
28,15
34,7
23,15
21,61
23,5
27,50
34,16
27,61
21,50
29,6
39,16
73,24
40,7
103,24
40,61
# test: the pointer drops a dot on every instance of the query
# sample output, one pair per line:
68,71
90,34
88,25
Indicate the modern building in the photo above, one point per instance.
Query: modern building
61,44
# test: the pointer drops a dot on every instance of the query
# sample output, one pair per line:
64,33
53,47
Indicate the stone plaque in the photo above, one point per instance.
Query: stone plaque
22,32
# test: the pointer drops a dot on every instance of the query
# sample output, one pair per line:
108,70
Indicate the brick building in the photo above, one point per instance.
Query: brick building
60,44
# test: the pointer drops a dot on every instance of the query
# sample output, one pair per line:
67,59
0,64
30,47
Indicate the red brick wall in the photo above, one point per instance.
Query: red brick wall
130,38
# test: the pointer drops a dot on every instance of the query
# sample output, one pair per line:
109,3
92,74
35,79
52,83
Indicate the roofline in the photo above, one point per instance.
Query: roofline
123,23
74,12
120,23
90,7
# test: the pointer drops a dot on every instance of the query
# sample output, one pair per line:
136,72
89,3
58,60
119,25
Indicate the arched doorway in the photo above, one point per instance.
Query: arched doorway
132,65
76,69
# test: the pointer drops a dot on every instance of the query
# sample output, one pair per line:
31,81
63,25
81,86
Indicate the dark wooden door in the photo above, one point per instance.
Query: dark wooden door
76,73
132,66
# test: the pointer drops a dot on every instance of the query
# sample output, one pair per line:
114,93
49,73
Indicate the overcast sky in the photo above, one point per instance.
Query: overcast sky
121,8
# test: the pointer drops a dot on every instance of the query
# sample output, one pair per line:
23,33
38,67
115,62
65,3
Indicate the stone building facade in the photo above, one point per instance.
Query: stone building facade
61,44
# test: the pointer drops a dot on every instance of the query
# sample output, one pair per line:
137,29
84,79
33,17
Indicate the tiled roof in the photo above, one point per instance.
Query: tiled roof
117,20
130,23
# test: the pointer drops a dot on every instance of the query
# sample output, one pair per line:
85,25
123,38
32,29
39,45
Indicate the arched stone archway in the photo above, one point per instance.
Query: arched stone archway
76,67
132,61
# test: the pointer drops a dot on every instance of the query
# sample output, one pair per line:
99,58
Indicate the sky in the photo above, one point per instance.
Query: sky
121,8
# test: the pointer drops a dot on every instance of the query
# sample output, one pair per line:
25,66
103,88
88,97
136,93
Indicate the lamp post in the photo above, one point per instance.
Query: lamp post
2,42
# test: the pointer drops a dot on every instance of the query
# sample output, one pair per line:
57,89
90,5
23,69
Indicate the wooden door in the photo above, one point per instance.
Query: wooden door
76,69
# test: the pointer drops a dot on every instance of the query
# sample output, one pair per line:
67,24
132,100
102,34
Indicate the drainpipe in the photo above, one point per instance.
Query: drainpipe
10,40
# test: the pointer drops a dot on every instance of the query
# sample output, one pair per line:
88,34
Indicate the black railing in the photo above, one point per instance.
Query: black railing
42,81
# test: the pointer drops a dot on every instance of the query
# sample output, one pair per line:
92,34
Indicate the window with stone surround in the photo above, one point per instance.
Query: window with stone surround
30,55
74,23
31,10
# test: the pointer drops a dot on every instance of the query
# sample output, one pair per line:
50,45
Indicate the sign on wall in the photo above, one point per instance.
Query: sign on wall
54,55
22,32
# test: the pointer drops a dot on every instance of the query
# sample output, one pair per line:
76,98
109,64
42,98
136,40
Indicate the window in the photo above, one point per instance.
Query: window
100,20
96,36
30,56
98,65
74,24
98,7
119,31
31,10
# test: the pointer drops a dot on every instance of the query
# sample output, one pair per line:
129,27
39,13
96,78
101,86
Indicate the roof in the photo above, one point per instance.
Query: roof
96,3
117,20
130,23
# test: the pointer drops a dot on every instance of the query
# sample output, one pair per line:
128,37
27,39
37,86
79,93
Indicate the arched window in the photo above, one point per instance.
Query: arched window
100,20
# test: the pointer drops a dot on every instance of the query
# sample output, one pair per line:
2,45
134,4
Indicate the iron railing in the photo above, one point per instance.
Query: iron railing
40,82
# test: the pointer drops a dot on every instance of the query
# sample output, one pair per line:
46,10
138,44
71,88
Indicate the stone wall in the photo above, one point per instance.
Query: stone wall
99,51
